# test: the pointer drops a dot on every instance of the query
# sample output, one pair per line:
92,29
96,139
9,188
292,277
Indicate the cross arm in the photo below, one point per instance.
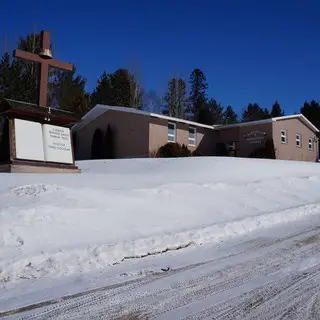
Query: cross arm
61,65
26,55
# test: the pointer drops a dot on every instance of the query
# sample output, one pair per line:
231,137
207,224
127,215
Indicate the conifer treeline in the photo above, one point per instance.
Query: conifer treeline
183,99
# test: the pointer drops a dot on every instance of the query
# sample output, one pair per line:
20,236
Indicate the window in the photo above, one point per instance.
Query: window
298,140
284,136
192,136
171,132
310,143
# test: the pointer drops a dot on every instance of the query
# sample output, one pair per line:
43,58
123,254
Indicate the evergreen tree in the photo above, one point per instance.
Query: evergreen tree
171,98
311,110
216,110
70,93
254,112
117,89
205,115
27,71
276,110
230,116
16,82
6,81
121,88
266,113
19,80
198,95
181,98
102,94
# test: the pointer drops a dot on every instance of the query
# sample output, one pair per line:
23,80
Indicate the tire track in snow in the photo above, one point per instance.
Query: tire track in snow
233,277
275,300
243,247
109,302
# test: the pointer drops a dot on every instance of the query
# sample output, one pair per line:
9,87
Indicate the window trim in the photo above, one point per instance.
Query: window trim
312,144
192,142
298,140
175,132
285,136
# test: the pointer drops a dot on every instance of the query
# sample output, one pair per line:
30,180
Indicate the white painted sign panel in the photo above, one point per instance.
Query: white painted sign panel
255,137
29,141
57,144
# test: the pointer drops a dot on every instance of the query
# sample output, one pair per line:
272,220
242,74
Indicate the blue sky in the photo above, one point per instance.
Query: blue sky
250,51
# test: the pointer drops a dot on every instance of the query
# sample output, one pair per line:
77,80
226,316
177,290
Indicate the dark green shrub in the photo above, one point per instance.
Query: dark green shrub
184,151
173,150
196,153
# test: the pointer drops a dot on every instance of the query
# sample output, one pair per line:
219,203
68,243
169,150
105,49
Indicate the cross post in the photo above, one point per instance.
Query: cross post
44,58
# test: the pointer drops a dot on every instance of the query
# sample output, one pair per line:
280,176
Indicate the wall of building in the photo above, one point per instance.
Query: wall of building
254,137
246,138
158,136
130,132
139,135
289,150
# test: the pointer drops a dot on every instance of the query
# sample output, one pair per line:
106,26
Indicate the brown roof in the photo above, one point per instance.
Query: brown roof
19,109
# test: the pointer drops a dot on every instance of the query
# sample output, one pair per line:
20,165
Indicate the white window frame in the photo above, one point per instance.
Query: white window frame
311,142
298,140
175,132
284,134
192,141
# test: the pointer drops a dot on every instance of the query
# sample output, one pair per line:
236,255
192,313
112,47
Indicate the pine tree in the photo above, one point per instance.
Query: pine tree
171,98
198,95
28,71
254,112
276,110
70,93
205,115
311,110
216,110
102,94
121,88
19,80
6,84
117,89
181,98
230,116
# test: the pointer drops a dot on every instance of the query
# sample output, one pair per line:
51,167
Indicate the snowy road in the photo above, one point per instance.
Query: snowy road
264,278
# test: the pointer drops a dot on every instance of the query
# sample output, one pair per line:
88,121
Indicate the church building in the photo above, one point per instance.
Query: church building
118,132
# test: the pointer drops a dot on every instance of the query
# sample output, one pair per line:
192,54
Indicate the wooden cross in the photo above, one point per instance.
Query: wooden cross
44,58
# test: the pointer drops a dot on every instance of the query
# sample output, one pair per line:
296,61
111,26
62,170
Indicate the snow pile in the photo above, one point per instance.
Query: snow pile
54,225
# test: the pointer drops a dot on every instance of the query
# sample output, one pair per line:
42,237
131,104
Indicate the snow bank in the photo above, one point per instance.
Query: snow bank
54,225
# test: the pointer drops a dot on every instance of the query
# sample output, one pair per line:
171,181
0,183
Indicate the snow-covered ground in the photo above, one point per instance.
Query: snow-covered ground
63,234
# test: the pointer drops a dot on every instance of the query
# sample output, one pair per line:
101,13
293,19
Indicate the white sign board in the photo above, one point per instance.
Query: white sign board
255,137
57,144
29,142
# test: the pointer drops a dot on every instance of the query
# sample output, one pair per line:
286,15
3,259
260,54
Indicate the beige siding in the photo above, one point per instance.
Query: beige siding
131,134
158,136
290,151
238,134
138,135
247,147
158,133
